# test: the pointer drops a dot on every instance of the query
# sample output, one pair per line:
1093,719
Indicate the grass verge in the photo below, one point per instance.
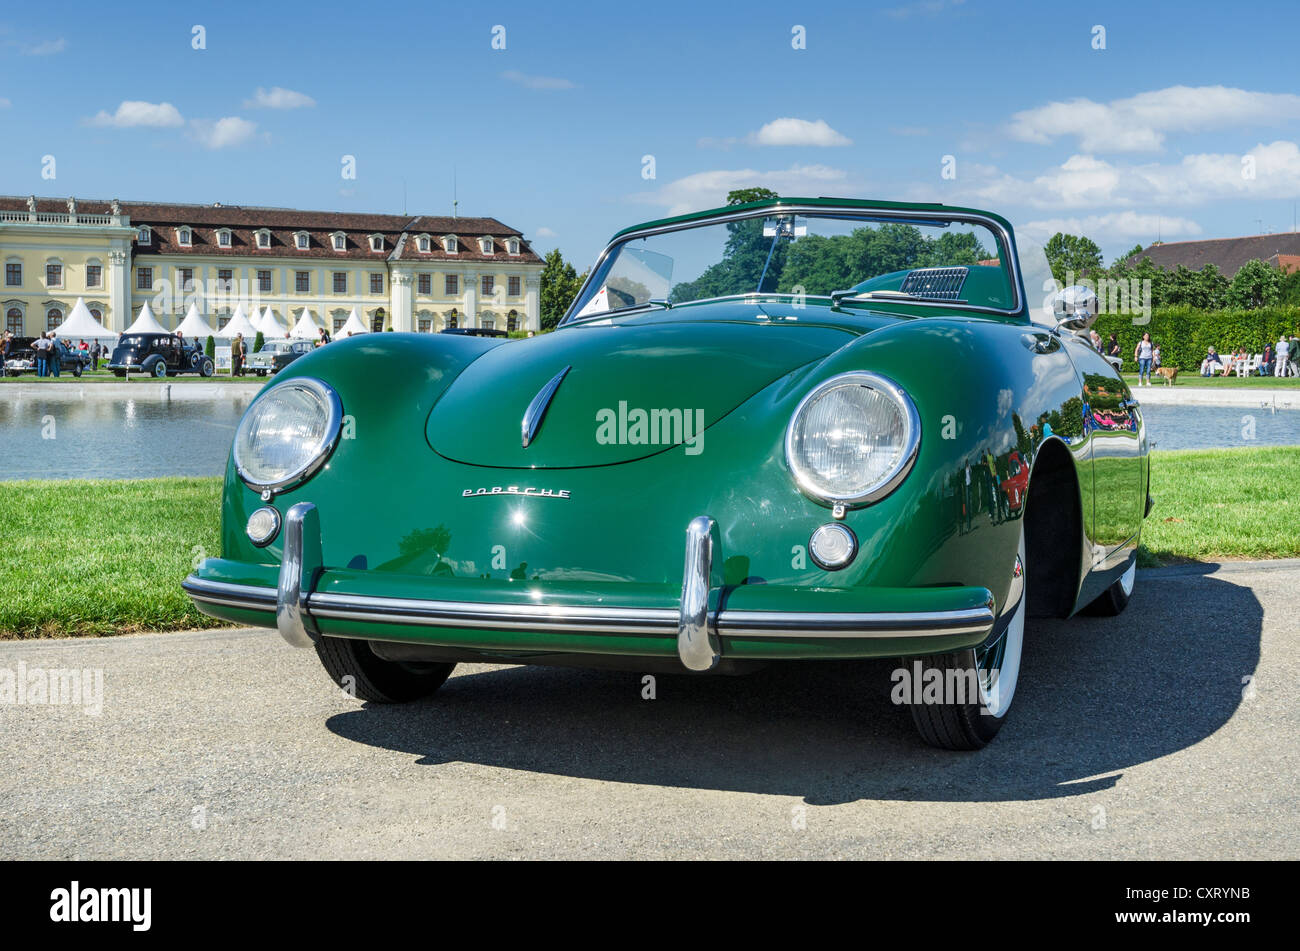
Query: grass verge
107,557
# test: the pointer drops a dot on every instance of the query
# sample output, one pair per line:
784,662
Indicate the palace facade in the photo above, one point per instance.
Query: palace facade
414,273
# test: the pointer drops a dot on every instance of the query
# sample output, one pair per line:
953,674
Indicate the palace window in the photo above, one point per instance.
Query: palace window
424,284
187,279
263,238
489,323
424,243
340,241
512,245
451,285
223,238
376,283
97,314
302,281
451,244
144,279
53,317
489,285
13,275
264,282
377,321
485,245
339,321
14,321
512,286
453,319
302,240
54,275
144,235
340,282
376,242
512,321
425,324
94,275
226,280
184,237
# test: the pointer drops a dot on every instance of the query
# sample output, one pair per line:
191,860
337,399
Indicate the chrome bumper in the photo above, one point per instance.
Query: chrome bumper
697,626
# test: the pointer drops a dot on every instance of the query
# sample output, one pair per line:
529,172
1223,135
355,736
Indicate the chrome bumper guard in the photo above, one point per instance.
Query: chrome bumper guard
698,624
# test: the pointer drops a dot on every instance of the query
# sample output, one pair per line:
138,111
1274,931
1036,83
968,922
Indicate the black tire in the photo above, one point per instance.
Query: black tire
194,360
155,367
76,371
963,722
261,373
205,368
1113,601
355,668
119,373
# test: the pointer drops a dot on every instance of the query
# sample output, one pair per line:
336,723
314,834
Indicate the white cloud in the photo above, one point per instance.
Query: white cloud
1111,227
537,82
784,132
48,48
133,113
709,189
545,232
1141,123
222,133
278,98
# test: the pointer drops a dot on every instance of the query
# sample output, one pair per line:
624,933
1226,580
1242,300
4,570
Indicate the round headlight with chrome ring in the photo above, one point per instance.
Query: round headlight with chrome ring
853,439
287,434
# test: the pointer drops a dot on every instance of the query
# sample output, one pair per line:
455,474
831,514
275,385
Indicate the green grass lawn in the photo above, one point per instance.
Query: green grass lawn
1192,378
107,557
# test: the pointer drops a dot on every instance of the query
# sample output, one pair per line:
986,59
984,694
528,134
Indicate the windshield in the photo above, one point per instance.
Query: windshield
854,256
133,342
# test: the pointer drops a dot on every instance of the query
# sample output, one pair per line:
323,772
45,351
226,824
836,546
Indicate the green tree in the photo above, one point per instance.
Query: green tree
258,341
560,284
210,348
1073,254
1257,284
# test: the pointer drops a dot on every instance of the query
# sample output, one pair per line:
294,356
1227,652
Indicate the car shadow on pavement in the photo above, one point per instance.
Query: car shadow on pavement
1096,696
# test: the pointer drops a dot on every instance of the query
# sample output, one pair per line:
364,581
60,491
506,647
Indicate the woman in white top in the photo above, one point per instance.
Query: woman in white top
1143,353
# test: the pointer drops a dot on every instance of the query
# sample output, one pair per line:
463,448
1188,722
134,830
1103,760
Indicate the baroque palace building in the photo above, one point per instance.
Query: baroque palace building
400,272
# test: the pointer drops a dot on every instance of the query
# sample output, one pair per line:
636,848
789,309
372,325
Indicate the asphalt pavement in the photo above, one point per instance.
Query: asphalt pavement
1172,731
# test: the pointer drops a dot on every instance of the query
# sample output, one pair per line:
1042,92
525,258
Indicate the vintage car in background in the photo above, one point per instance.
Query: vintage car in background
22,357
275,355
159,355
475,331
762,434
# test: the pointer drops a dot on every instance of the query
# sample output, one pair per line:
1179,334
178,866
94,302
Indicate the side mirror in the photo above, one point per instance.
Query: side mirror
1075,308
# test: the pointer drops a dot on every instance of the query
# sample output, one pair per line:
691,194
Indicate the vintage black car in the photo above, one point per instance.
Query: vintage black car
275,355
22,357
159,355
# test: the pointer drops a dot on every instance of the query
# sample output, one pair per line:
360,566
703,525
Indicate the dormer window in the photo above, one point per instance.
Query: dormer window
485,245
263,238
376,242
339,240
144,235
223,238
451,244
512,245
184,237
424,243
301,240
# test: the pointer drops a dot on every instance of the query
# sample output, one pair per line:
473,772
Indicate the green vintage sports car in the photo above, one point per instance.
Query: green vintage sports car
775,431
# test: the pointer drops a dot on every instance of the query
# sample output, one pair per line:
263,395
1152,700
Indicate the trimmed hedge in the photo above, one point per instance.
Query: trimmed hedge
1184,335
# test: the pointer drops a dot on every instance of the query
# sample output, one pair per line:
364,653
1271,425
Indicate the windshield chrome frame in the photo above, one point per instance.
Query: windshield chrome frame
812,211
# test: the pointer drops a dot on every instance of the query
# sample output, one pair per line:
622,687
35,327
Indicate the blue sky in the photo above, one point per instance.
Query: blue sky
548,134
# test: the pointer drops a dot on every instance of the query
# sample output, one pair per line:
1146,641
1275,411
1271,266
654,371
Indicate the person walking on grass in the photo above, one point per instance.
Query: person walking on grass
237,356
1143,354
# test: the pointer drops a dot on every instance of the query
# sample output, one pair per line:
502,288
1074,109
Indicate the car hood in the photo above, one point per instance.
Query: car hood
626,388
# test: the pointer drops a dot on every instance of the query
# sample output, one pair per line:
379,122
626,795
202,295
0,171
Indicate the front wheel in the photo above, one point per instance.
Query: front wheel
974,687
159,368
76,371
205,368
366,676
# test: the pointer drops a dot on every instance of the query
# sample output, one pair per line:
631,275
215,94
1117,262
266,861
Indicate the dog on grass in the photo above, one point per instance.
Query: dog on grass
1169,373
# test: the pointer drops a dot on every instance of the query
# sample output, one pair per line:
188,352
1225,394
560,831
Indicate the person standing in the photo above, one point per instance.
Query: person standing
1144,353
237,356
40,350
5,345
54,359
1283,348
1266,366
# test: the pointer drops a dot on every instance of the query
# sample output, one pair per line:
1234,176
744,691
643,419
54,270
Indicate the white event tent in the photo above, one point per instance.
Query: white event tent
270,325
352,326
239,324
145,323
306,328
82,325
195,326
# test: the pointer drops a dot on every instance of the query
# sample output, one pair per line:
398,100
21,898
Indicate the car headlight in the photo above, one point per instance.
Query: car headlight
287,434
852,439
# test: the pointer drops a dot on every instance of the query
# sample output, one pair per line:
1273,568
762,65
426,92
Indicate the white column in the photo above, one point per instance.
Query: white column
400,290
532,310
470,280
118,317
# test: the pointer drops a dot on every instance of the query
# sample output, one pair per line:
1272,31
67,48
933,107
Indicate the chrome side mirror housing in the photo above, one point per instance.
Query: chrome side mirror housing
1075,308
